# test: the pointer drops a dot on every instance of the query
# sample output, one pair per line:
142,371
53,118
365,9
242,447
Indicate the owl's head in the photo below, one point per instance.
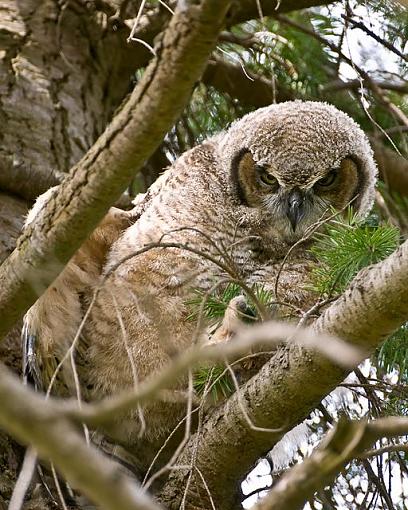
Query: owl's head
294,161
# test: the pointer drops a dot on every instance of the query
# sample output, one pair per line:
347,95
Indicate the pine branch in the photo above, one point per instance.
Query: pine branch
345,248
291,384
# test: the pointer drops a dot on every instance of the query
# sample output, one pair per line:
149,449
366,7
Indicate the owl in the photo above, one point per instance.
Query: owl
227,210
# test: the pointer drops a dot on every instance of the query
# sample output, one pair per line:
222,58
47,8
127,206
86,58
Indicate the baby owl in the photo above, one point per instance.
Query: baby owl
227,210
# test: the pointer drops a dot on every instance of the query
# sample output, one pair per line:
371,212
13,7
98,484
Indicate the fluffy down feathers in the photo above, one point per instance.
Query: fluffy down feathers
138,320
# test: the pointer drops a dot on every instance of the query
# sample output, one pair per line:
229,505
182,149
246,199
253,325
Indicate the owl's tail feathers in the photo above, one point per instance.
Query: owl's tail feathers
31,366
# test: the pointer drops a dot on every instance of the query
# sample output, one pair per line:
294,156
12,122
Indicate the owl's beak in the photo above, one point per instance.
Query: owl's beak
295,207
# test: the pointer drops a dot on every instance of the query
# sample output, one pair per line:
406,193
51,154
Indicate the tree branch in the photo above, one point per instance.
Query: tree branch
230,78
290,385
103,173
401,87
345,442
267,334
24,181
357,24
368,81
243,10
34,421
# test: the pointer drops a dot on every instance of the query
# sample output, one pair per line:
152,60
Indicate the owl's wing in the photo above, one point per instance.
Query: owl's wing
51,324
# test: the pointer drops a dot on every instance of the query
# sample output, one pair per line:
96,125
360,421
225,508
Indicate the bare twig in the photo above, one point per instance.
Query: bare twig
268,333
225,265
399,114
346,441
24,479
386,44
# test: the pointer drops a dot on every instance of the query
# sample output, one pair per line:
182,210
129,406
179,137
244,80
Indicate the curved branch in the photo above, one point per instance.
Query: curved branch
24,181
103,173
244,10
230,78
34,421
290,385
266,334
346,441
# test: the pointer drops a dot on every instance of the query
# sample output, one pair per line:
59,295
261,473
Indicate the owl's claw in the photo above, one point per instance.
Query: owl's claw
235,317
31,371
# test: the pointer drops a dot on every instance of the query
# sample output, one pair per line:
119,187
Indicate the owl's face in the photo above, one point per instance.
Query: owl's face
294,206
294,162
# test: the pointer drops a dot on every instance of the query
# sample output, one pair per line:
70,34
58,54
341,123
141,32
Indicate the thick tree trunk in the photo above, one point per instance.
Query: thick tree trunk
61,78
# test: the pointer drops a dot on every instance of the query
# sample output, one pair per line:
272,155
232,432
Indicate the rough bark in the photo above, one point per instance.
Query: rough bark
289,386
61,76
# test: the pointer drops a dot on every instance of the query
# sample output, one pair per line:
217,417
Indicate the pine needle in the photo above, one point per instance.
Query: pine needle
215,304
346,247
393,354
217,379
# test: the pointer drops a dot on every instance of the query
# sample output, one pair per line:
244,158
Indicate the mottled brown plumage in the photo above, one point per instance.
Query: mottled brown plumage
243,198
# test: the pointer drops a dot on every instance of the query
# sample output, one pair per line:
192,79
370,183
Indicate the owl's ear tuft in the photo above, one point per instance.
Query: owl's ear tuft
242,173
363,195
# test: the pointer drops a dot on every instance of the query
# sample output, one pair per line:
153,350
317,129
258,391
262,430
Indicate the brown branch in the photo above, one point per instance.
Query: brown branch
399,447
292,383
347,441
231,79
401,87
35,421
103,173
24,181
266,334
244,10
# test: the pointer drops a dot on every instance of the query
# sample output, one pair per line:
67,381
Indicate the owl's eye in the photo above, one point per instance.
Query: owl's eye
266,177
328,180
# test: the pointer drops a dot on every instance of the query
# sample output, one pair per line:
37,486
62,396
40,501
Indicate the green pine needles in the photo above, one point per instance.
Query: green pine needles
346,247
214,305
393,354
216,380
